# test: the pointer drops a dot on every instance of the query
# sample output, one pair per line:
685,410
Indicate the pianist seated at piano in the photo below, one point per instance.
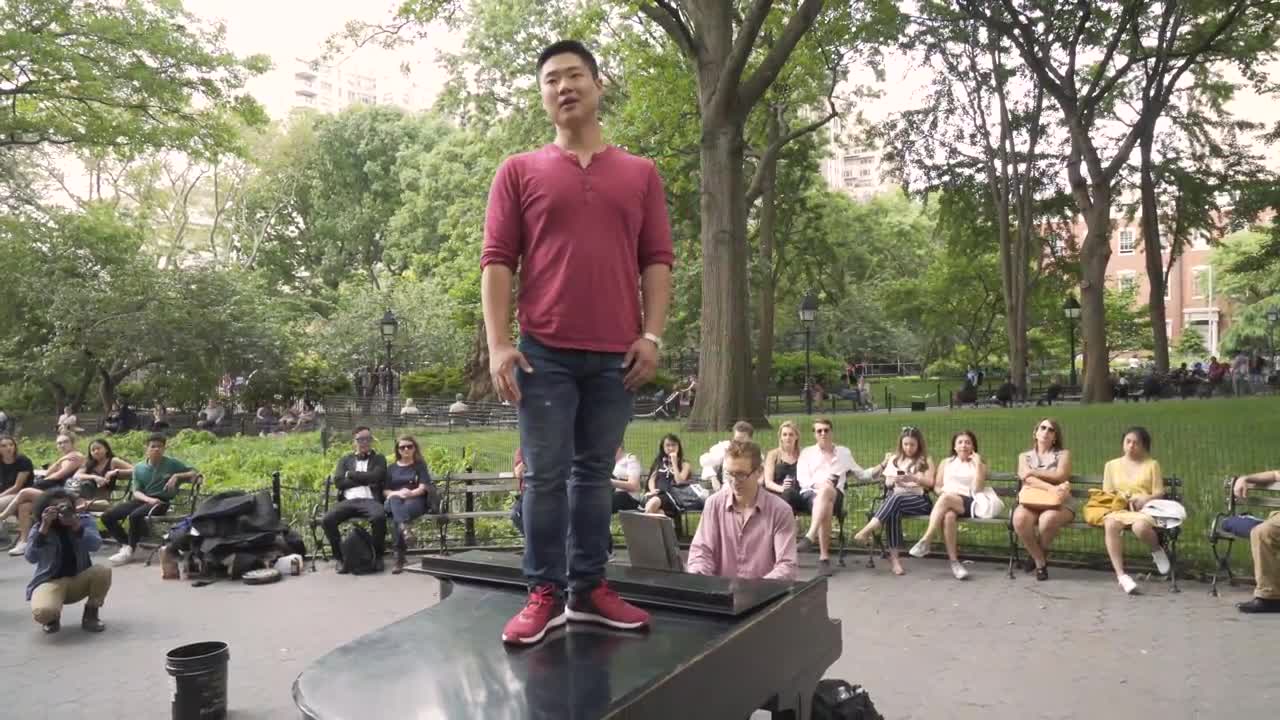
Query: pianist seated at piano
744,532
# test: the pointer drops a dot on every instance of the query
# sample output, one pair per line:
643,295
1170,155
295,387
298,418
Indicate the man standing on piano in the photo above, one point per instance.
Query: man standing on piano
586,225
744,532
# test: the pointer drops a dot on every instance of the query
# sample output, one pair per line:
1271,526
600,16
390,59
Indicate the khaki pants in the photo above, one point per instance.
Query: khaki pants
1265,542
47,599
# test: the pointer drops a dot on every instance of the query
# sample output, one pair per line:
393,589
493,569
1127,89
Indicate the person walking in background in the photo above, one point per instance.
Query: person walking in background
586,226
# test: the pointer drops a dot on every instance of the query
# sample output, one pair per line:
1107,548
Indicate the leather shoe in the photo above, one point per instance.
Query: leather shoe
1259,605
51,628
341,568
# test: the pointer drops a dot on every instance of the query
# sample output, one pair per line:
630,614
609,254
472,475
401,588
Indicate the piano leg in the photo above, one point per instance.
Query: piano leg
795,703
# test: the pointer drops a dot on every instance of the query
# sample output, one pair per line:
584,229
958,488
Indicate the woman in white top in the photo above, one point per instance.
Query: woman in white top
1047,465
908,475
961,476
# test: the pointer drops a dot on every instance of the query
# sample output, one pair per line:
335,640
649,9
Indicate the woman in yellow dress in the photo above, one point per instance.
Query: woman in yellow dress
1136,477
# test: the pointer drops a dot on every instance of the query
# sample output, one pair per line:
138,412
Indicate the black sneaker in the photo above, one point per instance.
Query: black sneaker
1042,573
1259,605
341,568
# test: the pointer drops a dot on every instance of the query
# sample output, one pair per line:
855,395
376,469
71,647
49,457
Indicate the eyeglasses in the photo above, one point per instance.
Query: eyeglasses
406,447
822,431
740,476
363,438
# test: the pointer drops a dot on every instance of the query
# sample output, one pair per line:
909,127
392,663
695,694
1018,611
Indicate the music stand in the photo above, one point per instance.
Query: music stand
651,541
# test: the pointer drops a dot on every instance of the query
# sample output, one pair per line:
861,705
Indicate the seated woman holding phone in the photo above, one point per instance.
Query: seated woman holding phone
908,476
1044,501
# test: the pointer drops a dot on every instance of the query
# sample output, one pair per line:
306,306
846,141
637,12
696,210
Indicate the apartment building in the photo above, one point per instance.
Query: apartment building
329,89
853,169
1191,301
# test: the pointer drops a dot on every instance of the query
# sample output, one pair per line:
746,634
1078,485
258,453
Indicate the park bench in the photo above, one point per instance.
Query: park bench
1261,501
457,489
1080,486
1006,487
182,505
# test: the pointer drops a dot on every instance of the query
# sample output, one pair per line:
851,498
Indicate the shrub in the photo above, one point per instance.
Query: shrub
788,370
437,380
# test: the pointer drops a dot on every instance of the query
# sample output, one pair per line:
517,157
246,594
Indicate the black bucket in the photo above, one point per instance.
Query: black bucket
199,684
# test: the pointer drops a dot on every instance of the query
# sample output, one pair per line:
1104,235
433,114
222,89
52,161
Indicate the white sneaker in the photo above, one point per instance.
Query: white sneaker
1127,584
124,557
1162,561
18,550
919,550
958,570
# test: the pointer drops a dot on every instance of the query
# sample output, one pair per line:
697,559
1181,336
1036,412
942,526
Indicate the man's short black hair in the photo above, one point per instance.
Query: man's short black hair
359,429
157,438
568,46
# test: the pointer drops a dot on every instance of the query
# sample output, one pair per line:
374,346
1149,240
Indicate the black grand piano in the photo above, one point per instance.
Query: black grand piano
718,648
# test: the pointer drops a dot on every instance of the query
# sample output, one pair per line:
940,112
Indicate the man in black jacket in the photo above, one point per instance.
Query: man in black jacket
359,478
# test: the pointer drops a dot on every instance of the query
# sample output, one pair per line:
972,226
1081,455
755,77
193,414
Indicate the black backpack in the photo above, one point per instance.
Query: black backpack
357,551
838,700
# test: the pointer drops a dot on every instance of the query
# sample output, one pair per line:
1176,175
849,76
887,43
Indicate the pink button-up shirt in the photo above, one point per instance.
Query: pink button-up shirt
763,547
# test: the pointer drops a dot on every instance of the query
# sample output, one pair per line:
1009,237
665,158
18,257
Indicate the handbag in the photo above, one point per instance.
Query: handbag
1101,504
686,498
987,504
1036,498
1166,514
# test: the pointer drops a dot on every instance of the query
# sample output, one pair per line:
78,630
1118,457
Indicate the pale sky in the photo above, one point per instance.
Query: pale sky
288,29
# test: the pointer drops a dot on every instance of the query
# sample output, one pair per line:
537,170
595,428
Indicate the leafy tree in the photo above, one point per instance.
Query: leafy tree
1248,273
1191,346
1082,54
128,76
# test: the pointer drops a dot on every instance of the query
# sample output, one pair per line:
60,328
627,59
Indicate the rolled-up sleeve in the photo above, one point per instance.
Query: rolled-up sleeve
703,551
655,247
502,219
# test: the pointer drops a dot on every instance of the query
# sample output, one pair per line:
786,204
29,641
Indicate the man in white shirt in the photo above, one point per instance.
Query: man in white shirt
821,472
459,406
712,460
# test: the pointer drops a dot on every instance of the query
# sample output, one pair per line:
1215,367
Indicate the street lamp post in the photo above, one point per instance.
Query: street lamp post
388,326
1273,317
808,313
1071,309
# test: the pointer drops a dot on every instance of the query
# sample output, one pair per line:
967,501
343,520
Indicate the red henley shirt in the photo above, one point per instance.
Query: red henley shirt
580,238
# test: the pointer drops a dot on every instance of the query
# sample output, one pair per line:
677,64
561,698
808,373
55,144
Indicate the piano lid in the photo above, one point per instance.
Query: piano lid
448,662
653,588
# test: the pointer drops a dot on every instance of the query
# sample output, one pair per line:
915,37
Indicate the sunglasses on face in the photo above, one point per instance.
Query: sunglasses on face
822,431
407,447
1049,428
363,438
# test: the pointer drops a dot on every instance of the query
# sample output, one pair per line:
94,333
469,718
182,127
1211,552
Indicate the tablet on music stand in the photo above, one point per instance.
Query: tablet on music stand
651,541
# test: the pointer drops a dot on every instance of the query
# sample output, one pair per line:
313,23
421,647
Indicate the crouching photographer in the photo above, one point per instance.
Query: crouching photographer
59,546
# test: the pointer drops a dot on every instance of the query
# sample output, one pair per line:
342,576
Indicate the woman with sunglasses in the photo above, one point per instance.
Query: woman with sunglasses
1046,466
409,493
908,476
961,476
56,475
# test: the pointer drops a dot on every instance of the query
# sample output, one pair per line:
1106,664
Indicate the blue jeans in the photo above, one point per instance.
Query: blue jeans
404,511
574,411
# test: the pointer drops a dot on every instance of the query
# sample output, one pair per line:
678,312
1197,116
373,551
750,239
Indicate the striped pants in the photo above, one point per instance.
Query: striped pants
892,511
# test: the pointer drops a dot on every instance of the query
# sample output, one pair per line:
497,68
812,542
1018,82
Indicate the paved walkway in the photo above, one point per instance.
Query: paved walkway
925,645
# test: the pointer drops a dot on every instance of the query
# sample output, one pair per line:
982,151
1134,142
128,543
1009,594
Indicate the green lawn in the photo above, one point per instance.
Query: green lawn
1201,441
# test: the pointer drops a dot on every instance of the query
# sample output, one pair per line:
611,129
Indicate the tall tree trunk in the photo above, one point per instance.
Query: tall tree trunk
1094,253
1151,246
106,390
768,230
724,355
479,382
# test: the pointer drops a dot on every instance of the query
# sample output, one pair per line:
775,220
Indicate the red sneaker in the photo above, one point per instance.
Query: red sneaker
604,606
543,612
